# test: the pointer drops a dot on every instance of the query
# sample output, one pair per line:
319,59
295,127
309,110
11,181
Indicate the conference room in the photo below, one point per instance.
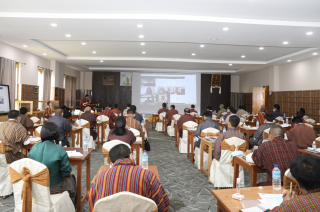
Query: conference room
159,105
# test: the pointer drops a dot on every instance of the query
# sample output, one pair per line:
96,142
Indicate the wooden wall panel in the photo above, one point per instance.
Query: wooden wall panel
247,98
27,94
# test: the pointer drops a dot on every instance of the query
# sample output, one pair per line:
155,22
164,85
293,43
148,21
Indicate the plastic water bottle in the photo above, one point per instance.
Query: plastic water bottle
291,117
238,186
214,111
314,146
284,115
224,130
101,118
257,124
60,143
145,160
276,178
125,113
143,116
41,120
119,114
95,111
287,121
86,144
252,113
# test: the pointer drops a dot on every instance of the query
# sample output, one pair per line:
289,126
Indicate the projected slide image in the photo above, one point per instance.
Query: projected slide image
148,81
148,90
1,100
177,90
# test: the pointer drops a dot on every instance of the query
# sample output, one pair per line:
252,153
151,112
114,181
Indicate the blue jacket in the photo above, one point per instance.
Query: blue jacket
204,125
138,117
63,125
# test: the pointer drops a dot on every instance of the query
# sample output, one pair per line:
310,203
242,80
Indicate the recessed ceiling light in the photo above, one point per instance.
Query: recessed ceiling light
214,39
101,61
289,60
68,35
261,48
142,44
309,33
193,54
315,53
94,52
225,29
25,46
230,64
285,42
53,24
243,56
141,36
44,54
83,43
140,25
201,45
143,52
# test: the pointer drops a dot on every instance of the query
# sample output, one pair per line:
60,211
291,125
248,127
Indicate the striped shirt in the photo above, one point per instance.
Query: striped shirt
302,135
110,114
182,120
133,123
220,112
126,176
260,118
302,203
90,117
13,134
258,134
231,132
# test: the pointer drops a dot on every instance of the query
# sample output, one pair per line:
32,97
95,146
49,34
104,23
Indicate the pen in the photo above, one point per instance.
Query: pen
290,189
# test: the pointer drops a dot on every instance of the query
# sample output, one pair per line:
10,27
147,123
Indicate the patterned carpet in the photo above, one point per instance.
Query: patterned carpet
188,190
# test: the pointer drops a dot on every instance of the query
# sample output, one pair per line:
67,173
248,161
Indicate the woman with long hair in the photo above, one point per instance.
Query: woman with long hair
120,132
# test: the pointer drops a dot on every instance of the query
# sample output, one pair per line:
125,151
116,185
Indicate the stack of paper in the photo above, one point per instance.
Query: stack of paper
74,153
268,201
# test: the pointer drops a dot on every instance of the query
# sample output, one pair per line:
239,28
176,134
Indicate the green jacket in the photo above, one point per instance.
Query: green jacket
54,157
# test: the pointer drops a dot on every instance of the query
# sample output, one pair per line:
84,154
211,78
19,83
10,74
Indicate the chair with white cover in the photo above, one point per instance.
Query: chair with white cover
223,114
310,121
53,114
279,120
35,120
222,171
85,132
170,128
309,125
5,182
305,117
288,179
159,125
80,113
136,133
107,146
194,114
38,131
317,142
104,128
125,201
266,133
183,143
242,119
36,197
210,132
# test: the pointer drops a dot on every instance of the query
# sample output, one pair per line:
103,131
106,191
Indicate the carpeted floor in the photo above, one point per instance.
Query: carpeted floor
188,190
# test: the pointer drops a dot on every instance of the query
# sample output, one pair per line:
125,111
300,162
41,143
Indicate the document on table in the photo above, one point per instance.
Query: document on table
74,153
268,201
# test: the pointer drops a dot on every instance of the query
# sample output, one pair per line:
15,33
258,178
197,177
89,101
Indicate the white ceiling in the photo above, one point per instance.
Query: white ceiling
172,30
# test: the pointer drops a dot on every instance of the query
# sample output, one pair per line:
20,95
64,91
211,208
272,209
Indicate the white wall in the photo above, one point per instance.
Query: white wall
63,69
235,83
86,80
254,79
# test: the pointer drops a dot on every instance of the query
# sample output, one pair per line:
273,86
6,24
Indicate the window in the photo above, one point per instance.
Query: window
17,93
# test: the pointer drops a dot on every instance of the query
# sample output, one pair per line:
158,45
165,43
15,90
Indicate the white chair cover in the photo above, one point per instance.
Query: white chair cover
5,182
125,202
222,171
80,113
310,121
279,118
108,146
305,117
53,114
242,119
193,114
309,125
135,132
42,201
183,144
34,119
170,128
159,124
38,130
107,130
92,111
223,114
85,132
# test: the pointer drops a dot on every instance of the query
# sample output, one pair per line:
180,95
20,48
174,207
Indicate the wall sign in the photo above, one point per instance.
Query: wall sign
125,79
108,80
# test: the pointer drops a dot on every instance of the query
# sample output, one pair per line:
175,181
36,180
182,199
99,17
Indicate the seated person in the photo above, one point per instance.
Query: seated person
63,124
48,110
13,135
232,112
192,110
186,117
128,107
276,111
207,117
163,109
306,170
171,113
66,112
260,117
115,109
231,132
276,151
138,116
241,111
132,123
90,117
124,175
303,111
121,133
209,108
57,161
112,117
257,138
302,135
25,120
222,110
264,108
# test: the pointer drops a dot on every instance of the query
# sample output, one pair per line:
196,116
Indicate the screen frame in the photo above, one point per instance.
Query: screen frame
4,114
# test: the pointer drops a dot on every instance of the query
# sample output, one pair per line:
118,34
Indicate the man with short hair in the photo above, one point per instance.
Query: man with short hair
66,112
25,120
186,117
276,111
241,111
133,123
163,109
115,109
222,110
90,117
112,117
231,132
170,113
260,117
209,108
128,107
138,116
13,135
264,108
257,138
84,101
124,175
276,151
231,112
302,135
63,124
306,171
192,110
207,117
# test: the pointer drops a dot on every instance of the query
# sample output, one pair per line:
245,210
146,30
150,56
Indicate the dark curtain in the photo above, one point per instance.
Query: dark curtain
237,99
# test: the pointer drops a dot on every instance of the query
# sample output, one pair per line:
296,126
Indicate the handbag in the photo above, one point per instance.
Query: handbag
146,145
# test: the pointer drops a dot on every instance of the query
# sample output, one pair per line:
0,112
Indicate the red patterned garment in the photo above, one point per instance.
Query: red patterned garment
112,117
260,118
90,117
182,120
302,135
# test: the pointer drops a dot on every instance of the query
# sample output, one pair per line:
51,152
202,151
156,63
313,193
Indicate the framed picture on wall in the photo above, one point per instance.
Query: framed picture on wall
36,89
108,80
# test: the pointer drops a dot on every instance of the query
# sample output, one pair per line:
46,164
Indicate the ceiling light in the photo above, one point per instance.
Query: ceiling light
101,61
315,53
285,42
214,39
44,54
243,56
309,33
142,44
141,36
261,48
289,60
25,46
230,64
53,24
143,52
193,54
83,43
68,35
225,29
140,25
94,52
202,46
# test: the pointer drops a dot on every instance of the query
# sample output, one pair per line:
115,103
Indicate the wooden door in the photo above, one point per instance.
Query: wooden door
257,99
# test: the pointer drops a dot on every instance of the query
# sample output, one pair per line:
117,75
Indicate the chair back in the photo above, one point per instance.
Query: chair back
223,114
125,201
242,119
107,146
35,120
210,132
186,125
5,181
228,146
92,111
279,120
80,113
309,125
36,195
310,121
38,131
161,116
266,133
135,132
288,179
176,117
305,117
194,114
